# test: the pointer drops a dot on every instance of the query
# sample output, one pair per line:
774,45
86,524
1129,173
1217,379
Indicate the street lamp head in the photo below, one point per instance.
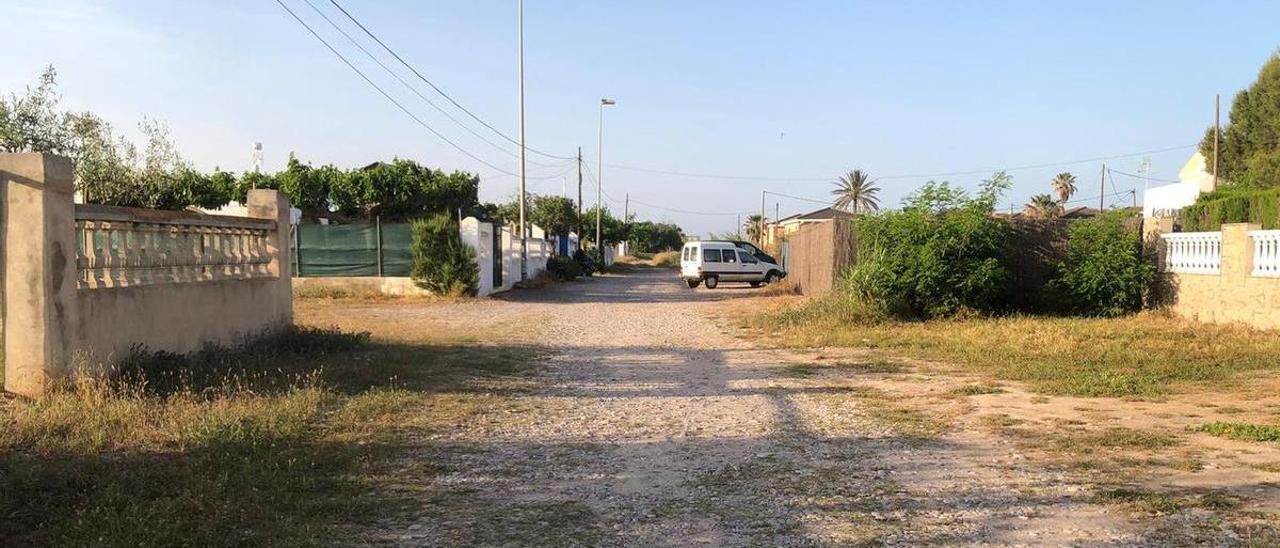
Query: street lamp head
607,101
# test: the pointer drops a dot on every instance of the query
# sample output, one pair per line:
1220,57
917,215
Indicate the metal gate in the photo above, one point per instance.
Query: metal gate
497,256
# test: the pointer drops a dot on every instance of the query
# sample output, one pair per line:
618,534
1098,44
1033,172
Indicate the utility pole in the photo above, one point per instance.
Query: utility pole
600,178
524,244
738,227
1102,184
626,208
776,212
1217,128
760,229
579,198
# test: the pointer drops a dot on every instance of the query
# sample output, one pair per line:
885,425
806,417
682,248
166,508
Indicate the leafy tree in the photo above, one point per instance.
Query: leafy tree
1249,145
306,188
934,197
651,237
442,263
32,122
1104,273
1064,185
855,191
1042,206
612,229
555,214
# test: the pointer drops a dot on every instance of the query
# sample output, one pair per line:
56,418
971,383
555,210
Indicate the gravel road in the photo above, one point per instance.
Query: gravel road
654,423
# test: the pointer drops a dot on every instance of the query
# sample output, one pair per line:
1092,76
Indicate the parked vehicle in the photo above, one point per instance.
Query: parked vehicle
712,262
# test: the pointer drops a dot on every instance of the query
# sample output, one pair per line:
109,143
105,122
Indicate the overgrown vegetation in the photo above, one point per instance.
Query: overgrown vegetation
223,448
1143,355
564,268
442,263
1105,273
942,254
667,259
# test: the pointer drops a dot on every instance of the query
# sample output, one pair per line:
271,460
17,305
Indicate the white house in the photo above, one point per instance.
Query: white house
1193,180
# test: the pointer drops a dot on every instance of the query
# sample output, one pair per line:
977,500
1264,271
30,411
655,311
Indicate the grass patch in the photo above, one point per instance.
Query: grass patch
1118,438
1165,503
977,390
856,367
1241,431
1146,355
276,443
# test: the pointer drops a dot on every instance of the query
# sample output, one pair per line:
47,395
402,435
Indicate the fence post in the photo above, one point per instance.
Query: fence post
39,270
377,227
271,204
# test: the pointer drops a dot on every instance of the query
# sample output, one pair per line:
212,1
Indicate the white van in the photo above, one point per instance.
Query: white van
712,262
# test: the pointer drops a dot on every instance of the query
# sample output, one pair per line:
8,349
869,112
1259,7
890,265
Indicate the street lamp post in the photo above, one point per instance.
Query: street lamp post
600,178
524,244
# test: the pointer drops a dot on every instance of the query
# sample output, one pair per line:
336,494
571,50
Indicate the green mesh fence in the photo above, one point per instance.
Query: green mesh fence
352,250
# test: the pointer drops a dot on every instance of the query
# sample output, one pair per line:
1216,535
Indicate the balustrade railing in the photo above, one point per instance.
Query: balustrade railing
124,247
1266,253
1193,252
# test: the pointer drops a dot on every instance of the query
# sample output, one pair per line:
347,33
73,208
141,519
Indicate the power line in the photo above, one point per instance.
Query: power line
411,87
437,88
1135,176
890,177
824,202
385,94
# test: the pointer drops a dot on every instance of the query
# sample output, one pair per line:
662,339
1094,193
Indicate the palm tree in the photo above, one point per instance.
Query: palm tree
1042,206
855,192
753,227
1064,185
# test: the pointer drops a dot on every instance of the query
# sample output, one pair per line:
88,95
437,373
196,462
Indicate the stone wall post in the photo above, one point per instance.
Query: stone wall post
38,264
271,204
1237,252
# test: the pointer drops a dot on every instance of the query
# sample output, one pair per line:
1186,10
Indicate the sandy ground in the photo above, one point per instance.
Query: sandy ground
654,423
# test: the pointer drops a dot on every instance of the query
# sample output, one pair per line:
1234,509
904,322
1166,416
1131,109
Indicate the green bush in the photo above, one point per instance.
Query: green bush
1104,273
585,261
441,262
564,268
926,262
1236,204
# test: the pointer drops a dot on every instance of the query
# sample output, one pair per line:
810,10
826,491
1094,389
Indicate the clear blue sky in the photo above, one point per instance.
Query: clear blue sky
772,89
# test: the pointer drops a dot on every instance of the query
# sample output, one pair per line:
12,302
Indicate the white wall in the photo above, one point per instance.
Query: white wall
479,236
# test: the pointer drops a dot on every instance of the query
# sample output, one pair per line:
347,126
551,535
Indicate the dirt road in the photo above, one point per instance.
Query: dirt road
653,423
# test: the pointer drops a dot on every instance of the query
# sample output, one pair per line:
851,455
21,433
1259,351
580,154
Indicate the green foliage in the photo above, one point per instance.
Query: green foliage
920,263
1233,204
1104,273
564,268
651,237
554,214
402,189
1249,146
1242,431
612,229
856,191
441,262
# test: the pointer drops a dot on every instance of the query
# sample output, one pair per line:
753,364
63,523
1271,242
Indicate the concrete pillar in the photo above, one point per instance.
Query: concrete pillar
271,204
1237,251
38,246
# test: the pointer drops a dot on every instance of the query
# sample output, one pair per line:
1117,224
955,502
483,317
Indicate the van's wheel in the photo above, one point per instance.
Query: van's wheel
772,278
712,282
692,283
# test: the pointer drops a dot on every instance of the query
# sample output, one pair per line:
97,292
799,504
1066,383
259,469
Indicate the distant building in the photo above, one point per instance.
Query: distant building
781,228
1193,180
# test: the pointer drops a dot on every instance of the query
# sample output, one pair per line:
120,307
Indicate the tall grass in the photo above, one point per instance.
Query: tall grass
1147,354
667,259
213,449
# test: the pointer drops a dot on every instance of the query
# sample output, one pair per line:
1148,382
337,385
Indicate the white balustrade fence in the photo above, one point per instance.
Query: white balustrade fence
1266,253
123,247
1193,252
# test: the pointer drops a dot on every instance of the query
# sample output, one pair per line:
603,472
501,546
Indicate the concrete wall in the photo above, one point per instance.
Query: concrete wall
818,254
58,315
1232,296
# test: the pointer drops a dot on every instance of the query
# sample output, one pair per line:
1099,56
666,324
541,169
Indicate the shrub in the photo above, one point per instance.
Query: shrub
924,263
667,259
1233,205
441,262
1104,273
585,261
564,268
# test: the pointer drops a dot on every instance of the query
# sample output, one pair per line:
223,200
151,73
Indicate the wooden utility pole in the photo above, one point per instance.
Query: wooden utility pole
1217,128
579,198
626,208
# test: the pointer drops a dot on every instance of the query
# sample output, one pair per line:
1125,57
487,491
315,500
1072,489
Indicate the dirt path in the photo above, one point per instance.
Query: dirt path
654,424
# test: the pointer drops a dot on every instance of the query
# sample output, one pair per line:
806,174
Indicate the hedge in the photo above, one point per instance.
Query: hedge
1232,205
